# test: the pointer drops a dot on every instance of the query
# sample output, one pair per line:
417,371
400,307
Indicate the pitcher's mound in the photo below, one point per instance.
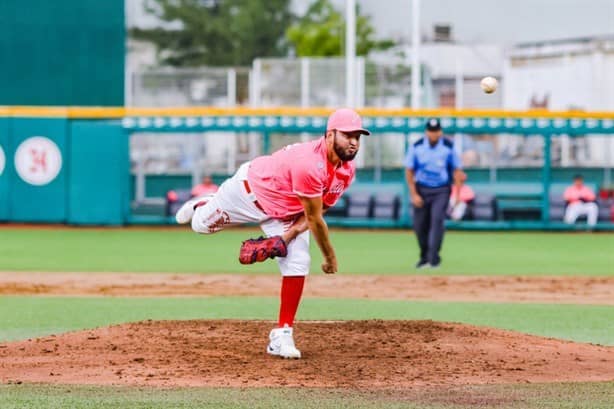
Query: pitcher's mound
380,354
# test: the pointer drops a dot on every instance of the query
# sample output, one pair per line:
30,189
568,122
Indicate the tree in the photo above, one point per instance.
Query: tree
218,32
321,33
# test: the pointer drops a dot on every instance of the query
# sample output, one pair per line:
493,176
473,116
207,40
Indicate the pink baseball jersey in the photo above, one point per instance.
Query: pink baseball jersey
297,170
574,194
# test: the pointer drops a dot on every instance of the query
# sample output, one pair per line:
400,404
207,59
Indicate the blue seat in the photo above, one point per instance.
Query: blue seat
360,204
483,207
340,209
386,205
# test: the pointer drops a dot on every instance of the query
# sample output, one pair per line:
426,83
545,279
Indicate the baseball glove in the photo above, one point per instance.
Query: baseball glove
262,248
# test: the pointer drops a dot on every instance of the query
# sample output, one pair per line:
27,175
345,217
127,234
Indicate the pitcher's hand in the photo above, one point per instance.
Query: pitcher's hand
330,266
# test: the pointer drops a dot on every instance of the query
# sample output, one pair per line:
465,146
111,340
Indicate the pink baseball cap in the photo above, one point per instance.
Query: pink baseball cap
346,120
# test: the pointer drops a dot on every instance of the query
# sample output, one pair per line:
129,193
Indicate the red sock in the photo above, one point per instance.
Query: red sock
291,292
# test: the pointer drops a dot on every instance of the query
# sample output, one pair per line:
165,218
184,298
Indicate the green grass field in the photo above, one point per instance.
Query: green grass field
359,252
551,396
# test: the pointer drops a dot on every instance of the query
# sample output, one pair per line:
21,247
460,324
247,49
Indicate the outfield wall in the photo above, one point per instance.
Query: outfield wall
58,170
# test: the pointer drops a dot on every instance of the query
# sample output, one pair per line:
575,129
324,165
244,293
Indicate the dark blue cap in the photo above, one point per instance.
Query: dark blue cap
433,124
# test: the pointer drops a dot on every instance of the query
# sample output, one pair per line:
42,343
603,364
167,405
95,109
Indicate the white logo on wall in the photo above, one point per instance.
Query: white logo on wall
2,160
38,160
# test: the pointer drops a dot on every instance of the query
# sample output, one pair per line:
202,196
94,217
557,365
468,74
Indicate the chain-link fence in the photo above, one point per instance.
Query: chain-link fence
320,82
300,82
188,87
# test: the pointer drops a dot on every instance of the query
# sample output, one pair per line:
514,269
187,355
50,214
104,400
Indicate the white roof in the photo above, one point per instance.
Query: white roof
584,45
445,59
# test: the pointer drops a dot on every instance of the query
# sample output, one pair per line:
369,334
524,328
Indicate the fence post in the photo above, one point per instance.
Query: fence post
350,53
546,180
304,82
254,81
139,195
231,87
266,143
360,82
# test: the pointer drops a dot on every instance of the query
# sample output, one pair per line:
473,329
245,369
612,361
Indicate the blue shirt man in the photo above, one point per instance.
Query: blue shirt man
431,166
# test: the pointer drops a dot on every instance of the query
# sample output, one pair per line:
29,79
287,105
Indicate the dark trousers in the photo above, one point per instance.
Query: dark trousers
429,221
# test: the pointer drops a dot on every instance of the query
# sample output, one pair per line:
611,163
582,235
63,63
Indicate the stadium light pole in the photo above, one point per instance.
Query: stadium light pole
415,54
350,53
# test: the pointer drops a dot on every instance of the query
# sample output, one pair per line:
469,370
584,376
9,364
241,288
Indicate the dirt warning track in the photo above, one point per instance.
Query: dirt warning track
572,290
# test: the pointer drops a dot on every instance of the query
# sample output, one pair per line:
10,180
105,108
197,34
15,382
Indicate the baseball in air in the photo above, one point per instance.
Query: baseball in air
489,84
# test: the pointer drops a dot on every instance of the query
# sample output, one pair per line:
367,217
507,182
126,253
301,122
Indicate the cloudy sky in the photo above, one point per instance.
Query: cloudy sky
495,21
473,21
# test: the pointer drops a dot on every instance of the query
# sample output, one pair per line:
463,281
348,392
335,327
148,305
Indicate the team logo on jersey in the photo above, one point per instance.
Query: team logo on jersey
2,160
337,189
38,160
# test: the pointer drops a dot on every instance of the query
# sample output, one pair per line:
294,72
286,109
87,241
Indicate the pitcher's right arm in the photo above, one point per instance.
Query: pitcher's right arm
315,220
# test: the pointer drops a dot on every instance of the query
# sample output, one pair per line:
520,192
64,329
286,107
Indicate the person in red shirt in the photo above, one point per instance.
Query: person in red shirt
286,193
580,201
206,187
459,198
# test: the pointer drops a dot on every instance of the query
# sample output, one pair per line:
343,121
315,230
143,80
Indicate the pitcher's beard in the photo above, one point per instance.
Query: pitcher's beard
343,155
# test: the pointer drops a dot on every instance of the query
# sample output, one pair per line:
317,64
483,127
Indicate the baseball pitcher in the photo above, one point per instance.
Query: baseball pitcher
286,193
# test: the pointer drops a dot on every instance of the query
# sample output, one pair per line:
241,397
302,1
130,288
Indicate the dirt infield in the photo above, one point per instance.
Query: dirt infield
351,354
376,354
574,290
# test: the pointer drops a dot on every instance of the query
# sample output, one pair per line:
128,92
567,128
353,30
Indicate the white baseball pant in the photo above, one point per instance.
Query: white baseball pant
232,204
575,210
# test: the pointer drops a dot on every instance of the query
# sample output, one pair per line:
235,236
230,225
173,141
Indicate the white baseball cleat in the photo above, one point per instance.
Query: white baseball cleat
282,344
185,212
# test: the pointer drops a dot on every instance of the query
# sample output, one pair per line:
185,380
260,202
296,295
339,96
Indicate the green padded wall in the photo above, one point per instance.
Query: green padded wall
4,165
66,52
98,173
39,193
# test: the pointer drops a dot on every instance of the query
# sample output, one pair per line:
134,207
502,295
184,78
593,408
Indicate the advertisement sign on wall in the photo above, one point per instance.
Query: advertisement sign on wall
38,160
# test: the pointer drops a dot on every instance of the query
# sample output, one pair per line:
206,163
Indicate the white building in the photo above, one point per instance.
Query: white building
455,71
561,75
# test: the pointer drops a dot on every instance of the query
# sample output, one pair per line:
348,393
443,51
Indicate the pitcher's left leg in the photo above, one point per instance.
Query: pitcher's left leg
294,267
230,205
